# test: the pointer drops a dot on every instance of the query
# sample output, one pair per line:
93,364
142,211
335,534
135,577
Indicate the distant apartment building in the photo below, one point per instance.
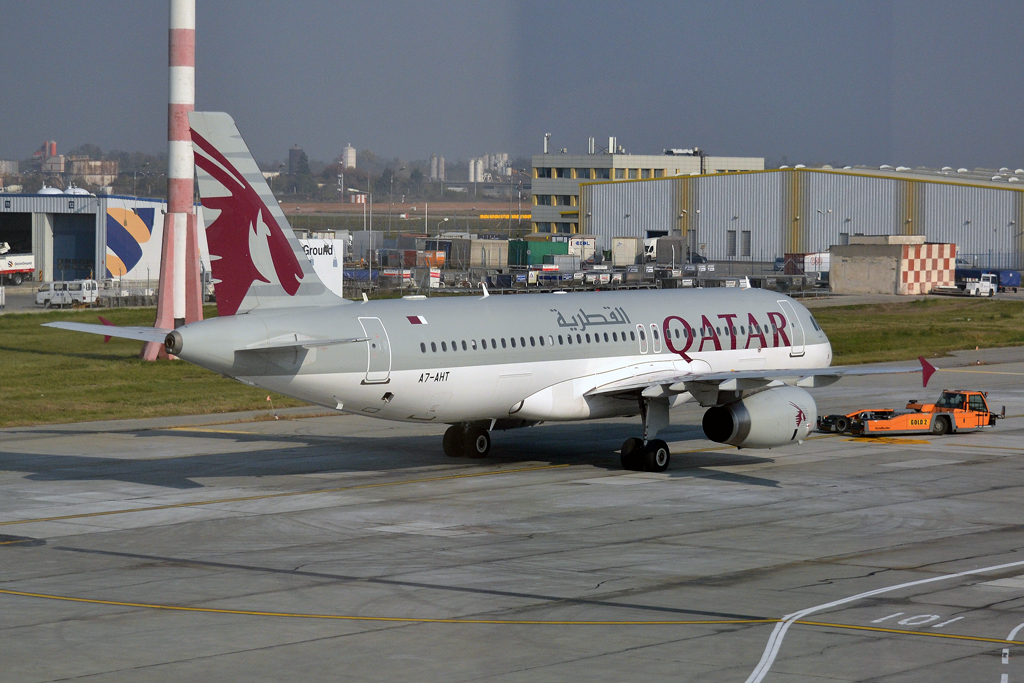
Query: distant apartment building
8,167
557,177
92,171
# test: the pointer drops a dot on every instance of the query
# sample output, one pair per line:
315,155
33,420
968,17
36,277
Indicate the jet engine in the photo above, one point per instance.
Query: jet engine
770,418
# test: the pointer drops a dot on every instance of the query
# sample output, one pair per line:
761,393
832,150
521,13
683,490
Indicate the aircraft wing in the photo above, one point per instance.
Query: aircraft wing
668,382
146,334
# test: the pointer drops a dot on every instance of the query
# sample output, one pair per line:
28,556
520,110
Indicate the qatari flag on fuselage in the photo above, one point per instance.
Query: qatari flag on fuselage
417,319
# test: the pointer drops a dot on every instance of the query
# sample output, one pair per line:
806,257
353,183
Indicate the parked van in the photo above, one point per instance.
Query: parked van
75,292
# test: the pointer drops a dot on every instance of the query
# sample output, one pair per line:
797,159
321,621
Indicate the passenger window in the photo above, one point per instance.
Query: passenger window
433,347
560,342
502,342
632,335
494,344
654,331
588,337
464,345
473,343
423,347
742,330
606,336
579,339
718,331
551,341
483,343
444,347
597,337
522,342
455,346
727,332
615,336
513,340
642,336
532,342
542,340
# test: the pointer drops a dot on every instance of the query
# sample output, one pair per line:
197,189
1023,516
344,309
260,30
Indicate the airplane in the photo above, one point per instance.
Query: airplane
486,363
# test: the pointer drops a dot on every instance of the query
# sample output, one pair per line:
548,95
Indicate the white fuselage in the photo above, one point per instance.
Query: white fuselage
409,371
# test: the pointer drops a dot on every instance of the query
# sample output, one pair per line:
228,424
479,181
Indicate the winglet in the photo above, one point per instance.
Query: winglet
927,370
103,320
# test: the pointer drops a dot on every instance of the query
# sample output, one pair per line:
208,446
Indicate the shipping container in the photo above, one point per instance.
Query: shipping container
489,254
626,250
532,253
583,246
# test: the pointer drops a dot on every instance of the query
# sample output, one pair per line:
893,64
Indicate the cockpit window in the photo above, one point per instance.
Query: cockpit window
814,324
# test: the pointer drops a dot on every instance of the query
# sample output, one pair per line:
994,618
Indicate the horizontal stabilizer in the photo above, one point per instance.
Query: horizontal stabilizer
146,334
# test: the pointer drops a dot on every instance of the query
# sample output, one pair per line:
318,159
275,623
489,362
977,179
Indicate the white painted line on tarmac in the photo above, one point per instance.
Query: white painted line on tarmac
891,616
1014,632
774,644
1005,678
948,621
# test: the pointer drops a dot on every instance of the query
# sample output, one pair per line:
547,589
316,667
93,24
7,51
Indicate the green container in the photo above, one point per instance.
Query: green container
523,253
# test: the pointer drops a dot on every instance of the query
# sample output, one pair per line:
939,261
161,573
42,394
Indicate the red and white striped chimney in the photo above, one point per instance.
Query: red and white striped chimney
180,299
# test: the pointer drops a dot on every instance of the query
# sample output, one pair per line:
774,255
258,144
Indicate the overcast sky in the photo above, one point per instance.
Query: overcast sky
914,83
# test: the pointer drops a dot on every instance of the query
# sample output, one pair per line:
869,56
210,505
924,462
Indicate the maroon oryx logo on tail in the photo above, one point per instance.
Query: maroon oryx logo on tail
244,220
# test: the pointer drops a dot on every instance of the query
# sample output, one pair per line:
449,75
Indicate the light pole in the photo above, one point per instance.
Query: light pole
438,228
391,197
135,175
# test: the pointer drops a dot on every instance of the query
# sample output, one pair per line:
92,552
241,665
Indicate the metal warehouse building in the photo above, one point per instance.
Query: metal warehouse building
77,236
762,215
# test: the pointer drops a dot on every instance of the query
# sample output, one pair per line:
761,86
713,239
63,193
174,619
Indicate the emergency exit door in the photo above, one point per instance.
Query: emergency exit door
796,333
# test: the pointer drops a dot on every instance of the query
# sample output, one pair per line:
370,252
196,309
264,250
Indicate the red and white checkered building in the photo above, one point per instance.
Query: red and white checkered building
925,266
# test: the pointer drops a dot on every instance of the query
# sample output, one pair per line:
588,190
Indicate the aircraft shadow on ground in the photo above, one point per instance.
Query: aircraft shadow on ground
556,444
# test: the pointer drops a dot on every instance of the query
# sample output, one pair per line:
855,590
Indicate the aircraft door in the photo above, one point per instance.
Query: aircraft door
655,338
796,329
641,337
378,364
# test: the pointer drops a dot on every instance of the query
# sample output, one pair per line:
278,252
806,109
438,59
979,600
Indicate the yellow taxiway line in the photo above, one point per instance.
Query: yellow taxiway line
497,622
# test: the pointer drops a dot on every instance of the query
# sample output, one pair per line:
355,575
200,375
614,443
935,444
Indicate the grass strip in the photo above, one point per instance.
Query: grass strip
50,376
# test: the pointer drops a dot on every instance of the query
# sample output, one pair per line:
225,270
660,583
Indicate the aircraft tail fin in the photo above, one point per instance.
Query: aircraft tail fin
256,260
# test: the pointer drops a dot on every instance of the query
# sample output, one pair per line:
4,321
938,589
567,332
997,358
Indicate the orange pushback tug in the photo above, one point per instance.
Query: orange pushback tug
956,410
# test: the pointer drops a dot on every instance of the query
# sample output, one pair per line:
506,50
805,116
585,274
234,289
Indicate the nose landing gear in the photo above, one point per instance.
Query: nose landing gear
466,442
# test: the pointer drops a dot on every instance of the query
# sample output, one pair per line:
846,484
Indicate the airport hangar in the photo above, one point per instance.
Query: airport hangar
78,236
758,216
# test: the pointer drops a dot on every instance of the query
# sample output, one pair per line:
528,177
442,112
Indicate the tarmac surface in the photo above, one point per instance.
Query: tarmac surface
346,549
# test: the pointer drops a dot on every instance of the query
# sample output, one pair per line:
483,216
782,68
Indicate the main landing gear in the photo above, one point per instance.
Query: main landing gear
466,442
648,455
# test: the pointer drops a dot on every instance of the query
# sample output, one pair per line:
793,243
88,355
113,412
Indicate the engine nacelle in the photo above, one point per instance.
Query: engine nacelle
774,417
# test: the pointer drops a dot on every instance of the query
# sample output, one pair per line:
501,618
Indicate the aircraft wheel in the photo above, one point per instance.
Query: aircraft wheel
476,443
452,442
940,425
656,456
842,424
631,448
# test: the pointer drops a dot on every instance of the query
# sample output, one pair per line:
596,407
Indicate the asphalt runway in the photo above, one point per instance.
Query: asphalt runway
346,549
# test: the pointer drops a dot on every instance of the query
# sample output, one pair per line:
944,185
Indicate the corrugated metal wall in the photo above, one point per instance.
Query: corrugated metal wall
809,210
628,209
742,202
